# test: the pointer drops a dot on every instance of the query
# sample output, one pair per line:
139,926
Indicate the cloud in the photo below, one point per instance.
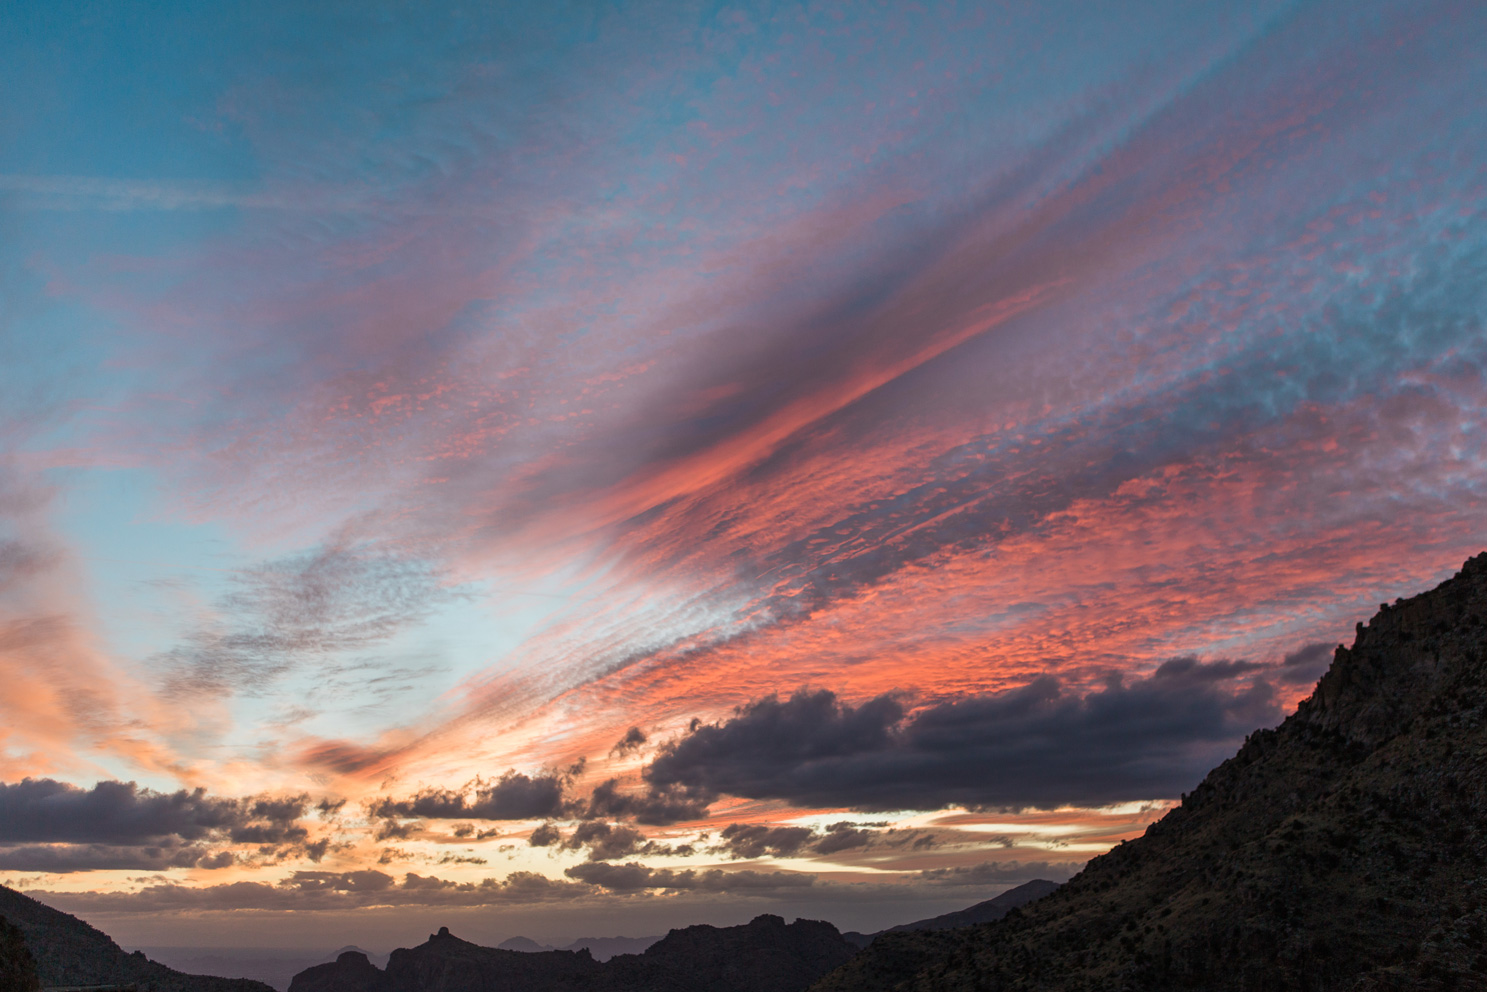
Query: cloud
1000,872
343,596
607,841
1037,745
654,806
111,813
317,890
755,840
634,877
604,841
545,835
842,837
64,858
120,825
633,740
1307,663
513,796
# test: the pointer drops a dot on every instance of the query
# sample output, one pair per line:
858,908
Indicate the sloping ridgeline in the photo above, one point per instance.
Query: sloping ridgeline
765,955
68,951
982,912
1344,850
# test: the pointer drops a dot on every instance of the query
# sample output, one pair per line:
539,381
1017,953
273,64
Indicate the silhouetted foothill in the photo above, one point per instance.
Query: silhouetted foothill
766,955
68,951
350,972
17,968
982,912
1344,850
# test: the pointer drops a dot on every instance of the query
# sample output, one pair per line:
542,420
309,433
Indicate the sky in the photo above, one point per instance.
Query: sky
583,469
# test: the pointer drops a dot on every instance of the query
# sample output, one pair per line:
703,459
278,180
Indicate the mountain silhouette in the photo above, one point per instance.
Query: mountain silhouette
1344,850
17,967
68,951
764,955
982,912
602,948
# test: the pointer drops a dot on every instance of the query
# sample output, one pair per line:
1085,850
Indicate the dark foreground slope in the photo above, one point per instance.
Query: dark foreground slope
17,968
983,912
68,951
765,955
1346,849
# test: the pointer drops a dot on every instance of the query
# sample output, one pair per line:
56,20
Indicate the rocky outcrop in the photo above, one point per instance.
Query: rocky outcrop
1344,850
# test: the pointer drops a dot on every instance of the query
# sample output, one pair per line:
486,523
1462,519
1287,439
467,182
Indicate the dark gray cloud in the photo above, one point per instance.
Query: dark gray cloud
545,836
843,837
46,825
1001,872
755,840
634,877
605,841
110,813
633,740
1037,745
657,805
513,796
64,858
317,890
1307,663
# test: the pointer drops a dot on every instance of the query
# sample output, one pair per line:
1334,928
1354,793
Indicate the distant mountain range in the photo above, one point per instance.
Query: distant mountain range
602,948
765,955
1344,850
274,966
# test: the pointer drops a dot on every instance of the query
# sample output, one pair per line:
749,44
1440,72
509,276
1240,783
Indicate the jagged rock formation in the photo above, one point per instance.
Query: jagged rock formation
1344,850
982,912
68,951
765,955
17,968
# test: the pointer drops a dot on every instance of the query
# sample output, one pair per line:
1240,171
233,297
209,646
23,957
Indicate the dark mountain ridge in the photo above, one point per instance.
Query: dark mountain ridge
765,955
1344,850
68,951
983,912
602,948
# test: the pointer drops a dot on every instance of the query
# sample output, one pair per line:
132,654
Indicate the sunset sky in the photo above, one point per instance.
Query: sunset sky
589,468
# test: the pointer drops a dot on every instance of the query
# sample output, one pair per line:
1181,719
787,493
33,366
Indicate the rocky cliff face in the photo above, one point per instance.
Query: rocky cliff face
1344,850
68,951
766,955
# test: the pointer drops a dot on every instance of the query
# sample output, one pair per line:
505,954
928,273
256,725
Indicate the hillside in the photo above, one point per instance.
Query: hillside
765,955
68,951
983,912
17,968
1344,850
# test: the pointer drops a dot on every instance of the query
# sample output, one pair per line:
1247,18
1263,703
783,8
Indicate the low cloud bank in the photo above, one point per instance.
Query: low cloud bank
1038,745
52,826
